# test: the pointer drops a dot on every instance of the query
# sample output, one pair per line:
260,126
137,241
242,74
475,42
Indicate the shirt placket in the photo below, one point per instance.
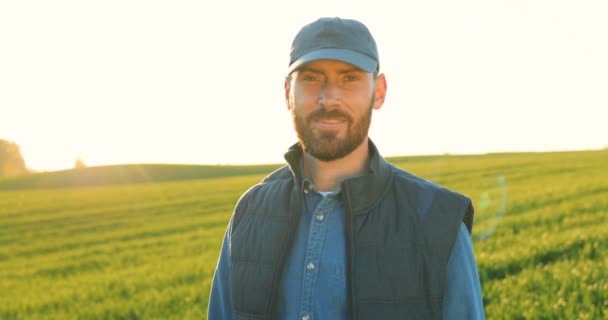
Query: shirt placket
313,253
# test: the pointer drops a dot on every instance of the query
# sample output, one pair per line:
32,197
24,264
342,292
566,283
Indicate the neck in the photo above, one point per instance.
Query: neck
327,175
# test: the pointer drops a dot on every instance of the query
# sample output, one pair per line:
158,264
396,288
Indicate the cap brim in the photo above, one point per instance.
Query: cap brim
357,59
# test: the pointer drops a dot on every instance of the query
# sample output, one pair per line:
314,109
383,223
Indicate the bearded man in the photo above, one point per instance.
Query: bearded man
339,233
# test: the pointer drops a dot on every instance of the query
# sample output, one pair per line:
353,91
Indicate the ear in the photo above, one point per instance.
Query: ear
287,88
380,91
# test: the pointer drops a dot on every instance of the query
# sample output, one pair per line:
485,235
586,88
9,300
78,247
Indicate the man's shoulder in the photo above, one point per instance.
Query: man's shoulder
279,176
265,195
403,177
413,182
274,181
426,192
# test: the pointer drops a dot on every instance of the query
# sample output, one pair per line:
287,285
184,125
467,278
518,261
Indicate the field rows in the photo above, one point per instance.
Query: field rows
135,251
148,251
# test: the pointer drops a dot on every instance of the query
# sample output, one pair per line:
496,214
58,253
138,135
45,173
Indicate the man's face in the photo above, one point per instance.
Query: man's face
331,104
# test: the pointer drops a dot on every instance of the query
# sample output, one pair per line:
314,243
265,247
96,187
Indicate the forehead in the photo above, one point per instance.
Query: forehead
329,66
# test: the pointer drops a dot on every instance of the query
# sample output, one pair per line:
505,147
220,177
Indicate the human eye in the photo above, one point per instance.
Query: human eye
309,76
352,77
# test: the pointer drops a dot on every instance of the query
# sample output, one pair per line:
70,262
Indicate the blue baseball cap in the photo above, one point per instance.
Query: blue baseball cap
339,39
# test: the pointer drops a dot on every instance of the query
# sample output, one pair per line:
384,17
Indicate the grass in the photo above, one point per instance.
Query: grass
146,248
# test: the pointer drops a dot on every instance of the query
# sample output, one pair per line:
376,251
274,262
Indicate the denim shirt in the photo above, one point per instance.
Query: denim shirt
313,283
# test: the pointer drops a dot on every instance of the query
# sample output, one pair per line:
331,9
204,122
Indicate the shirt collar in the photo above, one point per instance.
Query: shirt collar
364,190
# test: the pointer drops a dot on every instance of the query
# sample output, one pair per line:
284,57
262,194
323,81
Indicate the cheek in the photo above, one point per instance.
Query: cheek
295,107
304,96
291,102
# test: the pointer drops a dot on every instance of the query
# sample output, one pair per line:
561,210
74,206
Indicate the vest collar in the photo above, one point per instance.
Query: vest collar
363,191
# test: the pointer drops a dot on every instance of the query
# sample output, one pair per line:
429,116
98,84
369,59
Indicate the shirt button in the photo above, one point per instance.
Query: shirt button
320,216
310,266
306,317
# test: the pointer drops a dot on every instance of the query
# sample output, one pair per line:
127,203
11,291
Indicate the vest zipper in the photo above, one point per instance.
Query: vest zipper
349,253
293,223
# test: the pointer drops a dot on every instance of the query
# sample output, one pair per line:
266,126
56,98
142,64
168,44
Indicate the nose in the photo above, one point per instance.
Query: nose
329,95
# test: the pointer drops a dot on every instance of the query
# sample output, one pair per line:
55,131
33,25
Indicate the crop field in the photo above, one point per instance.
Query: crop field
148,250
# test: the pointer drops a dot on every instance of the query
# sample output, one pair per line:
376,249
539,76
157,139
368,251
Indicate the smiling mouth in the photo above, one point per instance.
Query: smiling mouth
329,123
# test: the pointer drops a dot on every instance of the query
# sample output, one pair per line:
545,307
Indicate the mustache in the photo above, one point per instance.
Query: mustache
324,114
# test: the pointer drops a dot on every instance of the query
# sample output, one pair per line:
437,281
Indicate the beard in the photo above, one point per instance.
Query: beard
325,145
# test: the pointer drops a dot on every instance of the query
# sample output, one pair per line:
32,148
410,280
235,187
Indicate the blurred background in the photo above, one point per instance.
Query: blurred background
118,82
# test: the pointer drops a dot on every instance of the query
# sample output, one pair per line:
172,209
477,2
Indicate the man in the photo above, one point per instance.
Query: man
339,233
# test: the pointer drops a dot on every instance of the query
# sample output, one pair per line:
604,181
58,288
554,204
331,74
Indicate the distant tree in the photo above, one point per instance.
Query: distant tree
79,164
11,160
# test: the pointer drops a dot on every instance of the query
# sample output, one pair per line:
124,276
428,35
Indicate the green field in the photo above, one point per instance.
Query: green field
147,250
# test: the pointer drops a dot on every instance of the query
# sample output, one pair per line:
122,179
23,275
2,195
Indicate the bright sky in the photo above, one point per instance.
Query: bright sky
201,82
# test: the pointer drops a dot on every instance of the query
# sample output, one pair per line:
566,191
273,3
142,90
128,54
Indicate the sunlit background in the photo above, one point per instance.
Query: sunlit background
201,82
